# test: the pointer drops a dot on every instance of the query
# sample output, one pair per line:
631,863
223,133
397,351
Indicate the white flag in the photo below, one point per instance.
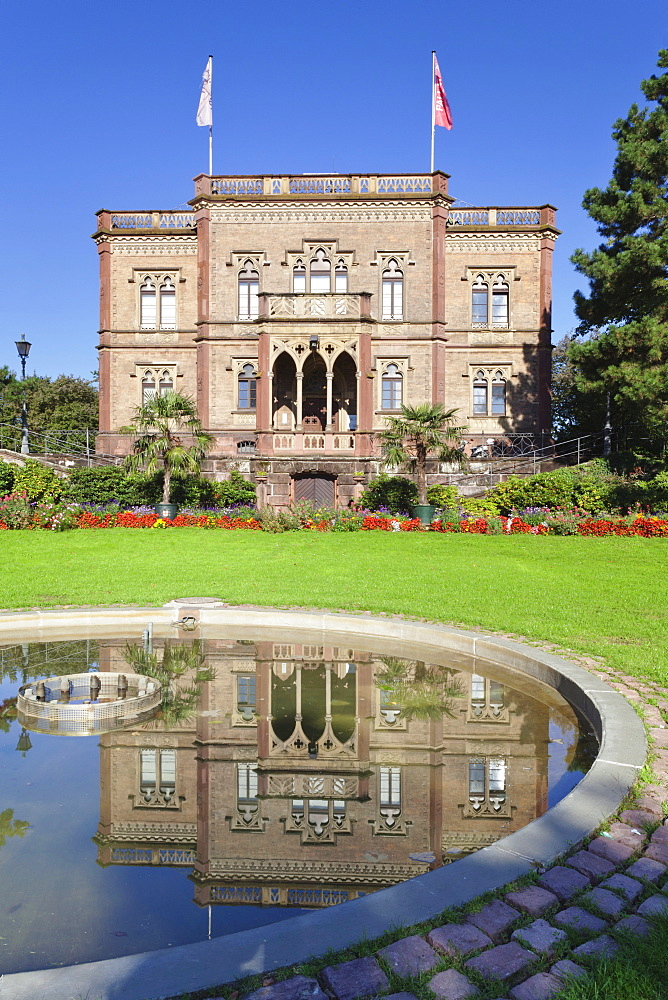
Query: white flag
205,107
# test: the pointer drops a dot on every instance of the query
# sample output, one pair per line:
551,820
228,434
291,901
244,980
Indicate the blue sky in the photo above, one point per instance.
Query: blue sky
99,104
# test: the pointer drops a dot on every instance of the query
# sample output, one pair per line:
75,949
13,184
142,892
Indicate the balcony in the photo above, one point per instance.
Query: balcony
329,306
323,185
326,442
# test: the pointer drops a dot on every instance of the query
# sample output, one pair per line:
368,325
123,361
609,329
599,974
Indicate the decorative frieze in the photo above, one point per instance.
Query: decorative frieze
141,246
316,214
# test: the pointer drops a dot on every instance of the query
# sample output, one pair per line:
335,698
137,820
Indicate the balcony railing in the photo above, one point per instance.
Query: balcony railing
146,220
496,217
332,305
324,185
327,441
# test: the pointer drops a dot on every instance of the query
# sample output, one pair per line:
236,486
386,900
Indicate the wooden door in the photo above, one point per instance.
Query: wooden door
317,489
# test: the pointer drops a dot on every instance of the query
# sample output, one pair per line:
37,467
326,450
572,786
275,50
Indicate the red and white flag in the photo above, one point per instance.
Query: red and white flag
442,112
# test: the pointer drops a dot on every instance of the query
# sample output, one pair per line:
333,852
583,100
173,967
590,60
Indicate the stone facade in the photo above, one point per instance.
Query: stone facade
302,311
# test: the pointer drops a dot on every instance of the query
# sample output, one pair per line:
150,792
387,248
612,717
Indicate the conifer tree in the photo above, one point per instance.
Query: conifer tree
625,314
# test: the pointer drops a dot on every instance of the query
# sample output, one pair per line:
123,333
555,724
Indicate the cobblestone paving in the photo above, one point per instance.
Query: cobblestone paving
614,885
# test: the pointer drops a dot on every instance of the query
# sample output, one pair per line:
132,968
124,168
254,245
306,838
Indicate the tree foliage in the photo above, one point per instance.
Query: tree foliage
169,439
65,403
421,432
625,313
577,407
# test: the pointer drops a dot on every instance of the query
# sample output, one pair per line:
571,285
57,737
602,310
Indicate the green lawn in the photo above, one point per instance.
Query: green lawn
600,596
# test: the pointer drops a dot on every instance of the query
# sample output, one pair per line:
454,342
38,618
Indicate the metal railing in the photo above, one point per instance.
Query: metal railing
512,454
84,710
76,447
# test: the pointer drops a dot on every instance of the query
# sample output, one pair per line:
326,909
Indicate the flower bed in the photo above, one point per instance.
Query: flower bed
16,512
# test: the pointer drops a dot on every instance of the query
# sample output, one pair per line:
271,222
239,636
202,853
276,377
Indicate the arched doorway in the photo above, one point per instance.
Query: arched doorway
315,487
314,394
344,396
283,403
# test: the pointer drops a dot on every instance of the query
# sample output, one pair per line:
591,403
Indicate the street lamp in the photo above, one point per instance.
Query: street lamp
24,743
23,347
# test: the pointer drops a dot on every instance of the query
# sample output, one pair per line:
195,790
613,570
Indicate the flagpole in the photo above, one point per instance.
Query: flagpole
211,123
433,105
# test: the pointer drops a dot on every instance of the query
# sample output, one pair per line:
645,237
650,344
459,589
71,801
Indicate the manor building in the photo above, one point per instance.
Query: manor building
302,311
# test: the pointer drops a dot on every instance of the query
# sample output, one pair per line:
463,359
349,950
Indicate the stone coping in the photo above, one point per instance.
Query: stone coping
187,968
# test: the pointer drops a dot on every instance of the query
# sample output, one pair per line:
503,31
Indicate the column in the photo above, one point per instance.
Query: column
330,379
299,402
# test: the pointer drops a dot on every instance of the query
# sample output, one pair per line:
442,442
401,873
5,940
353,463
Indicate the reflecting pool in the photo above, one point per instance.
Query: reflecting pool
279,774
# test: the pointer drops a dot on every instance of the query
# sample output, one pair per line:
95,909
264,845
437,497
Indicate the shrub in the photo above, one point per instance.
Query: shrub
394,493
16,511
6,478
97,486
38,482
443,496
234,490
486,506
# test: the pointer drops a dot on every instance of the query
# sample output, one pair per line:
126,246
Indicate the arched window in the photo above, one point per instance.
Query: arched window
341,278
498,395
247,388
249,286
147,305
393,292
500,304
321,276
479,299
147,387
299,278
392,388
166,383
480,393
167,305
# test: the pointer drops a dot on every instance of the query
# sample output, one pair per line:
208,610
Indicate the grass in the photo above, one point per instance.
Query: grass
638,972
601,597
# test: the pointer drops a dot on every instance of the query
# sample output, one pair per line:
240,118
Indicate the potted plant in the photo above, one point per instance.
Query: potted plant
421,432
158,445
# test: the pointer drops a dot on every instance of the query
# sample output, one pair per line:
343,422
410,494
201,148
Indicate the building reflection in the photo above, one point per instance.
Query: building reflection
314,774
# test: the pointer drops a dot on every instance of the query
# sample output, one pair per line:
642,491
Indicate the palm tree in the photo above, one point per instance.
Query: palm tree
420,432
179,702
158,446
419,690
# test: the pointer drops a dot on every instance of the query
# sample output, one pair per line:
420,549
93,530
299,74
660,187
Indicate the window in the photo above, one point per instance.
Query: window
500,304
390,788
157,302
392,388
341,278
498,395
162,378
299,278
246,696
487,782
481,393
246,783
479,302
393,292
167,305
480,295
249,286
247,388
487,697
157,777
321,277
148,310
